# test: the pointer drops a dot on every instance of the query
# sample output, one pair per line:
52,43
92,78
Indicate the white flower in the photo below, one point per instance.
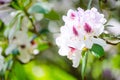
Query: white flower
81,30
20,40
115,29
1,60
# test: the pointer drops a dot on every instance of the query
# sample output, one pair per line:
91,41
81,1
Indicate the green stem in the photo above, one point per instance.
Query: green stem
30,19
89,4
84,63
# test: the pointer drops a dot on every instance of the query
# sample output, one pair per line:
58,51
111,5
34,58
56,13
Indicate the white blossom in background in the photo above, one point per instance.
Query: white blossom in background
1,60
5,10
5,1
20,40
81,30
64,6
115,29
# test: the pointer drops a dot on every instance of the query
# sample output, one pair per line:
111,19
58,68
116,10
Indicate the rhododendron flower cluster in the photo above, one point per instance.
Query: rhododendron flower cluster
81,30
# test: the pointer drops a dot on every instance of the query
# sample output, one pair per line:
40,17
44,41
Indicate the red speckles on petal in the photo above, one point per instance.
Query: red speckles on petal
33,42
75,32
72,49
72,15
87,28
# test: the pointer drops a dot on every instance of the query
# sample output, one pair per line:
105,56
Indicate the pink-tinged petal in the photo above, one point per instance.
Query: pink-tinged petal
87,28
76,59
71,14
72,49
75,31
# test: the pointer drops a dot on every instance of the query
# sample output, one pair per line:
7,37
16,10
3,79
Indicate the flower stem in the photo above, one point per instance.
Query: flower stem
28,16
84,63
89,4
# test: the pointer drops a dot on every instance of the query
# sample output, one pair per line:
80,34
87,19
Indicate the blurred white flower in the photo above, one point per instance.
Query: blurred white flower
5,11
53,27
1,60
5,1
36,51
115,29
81,30
20,40
39,16
64,6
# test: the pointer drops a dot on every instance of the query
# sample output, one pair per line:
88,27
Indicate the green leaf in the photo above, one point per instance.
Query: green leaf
43,46
15,52
26,2
20,4
14,20
20,17
109,26
37,8
97,50
52,15
43,31
89,4
115,61
15,5
43,72
18,72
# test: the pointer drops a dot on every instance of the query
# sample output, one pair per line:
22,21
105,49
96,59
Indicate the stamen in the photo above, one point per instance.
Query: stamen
84,37
85,49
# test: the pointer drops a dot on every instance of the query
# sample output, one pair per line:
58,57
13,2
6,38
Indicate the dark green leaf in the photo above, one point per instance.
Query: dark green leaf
15,52
43,31
97,50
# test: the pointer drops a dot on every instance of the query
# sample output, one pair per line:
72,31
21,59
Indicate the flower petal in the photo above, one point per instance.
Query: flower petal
10,48
99,41
63,51
88,43
76,59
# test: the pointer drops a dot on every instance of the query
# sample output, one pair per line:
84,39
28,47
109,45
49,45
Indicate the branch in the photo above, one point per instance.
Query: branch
28,16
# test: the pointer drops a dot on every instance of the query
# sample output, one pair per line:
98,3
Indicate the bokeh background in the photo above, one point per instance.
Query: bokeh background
48,64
